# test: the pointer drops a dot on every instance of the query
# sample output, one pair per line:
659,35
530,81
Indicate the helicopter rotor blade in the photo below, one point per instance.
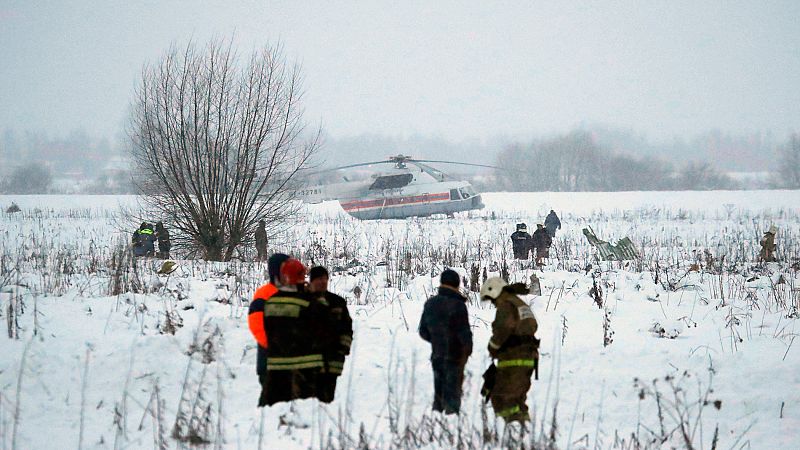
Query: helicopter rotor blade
462,164
351,166
400,159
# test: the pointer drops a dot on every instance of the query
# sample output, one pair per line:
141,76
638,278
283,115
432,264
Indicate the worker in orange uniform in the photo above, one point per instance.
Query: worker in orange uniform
256,322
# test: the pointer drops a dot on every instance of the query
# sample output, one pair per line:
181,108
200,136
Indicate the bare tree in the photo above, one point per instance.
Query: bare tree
576,162
563,163
31,178
789,168
517,157
626,173
702,176
217,144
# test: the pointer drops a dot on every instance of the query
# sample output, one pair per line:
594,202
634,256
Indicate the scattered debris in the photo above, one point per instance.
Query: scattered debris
669,332
623,250
167,267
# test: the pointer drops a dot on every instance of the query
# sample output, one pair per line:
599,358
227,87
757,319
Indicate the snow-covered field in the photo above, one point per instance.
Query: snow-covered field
685,349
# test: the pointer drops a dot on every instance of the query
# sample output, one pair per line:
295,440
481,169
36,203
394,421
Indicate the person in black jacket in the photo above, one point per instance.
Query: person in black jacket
339,334
552,223
164,244
445,324
521,242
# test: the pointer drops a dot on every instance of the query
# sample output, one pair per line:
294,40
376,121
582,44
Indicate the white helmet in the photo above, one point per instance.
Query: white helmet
492,288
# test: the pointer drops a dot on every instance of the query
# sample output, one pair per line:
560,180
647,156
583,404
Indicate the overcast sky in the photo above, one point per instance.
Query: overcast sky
456,70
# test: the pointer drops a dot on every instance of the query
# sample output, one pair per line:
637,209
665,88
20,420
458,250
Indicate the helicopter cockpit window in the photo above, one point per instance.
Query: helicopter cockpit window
392,181
454,194
464,193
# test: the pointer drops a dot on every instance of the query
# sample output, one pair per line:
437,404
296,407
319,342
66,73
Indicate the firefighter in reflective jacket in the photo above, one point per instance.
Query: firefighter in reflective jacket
515,347
143,240
256,323
292,317
336,337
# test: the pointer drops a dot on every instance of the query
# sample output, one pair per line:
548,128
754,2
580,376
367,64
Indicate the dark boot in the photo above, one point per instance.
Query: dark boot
327,387
262,399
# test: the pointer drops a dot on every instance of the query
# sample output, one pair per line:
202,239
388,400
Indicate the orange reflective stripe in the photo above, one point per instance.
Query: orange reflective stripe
256,323
265,292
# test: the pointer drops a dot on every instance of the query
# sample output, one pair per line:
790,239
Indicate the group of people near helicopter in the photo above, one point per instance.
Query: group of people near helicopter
304,332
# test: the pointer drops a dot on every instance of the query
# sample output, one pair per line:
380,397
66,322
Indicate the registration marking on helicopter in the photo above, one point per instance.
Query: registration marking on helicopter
396,201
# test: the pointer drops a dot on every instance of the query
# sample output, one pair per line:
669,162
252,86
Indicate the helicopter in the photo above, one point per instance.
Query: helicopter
411,188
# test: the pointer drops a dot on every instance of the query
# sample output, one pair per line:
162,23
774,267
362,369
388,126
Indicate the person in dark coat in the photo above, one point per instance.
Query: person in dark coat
261,241
164,244
552,223
541,242
445,324
292,318
338,337
144,240
521,242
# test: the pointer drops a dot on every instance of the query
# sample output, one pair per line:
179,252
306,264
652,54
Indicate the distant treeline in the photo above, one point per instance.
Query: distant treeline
586,160
36,163
40,178
577,162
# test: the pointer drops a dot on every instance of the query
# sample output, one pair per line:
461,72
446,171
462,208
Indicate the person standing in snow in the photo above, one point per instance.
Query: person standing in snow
552,223
257,324
261,241
445,324
164,244
293,318
541,242
143,240
521,242
768,245
338,337
514,346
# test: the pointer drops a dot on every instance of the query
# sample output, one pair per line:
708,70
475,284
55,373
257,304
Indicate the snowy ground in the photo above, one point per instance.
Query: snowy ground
85,366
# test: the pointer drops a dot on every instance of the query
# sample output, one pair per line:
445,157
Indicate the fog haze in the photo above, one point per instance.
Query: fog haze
448,69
